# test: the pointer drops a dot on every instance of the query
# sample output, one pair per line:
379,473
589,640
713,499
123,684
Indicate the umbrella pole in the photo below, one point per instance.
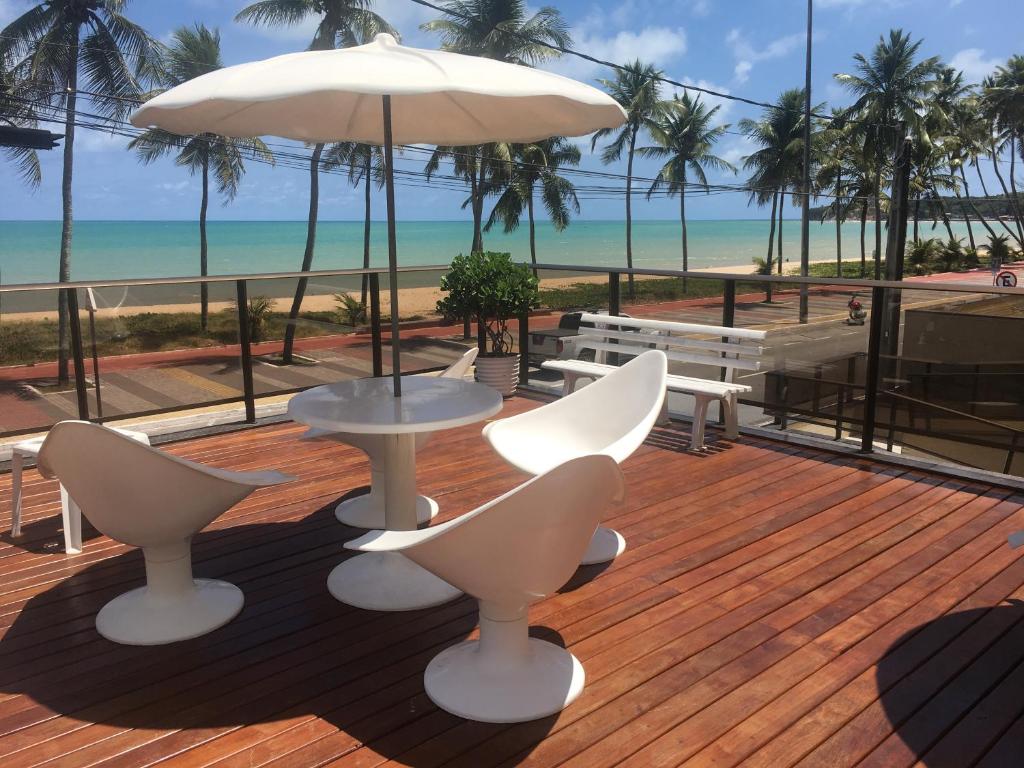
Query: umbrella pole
389,154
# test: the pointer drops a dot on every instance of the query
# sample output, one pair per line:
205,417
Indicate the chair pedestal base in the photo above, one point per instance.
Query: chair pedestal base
367,511
388,581
141,617
605,546
542,682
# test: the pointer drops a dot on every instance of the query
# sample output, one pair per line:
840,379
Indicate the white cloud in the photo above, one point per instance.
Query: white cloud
700,7
972,63
174,186
737,149
724,104
746,54
653,44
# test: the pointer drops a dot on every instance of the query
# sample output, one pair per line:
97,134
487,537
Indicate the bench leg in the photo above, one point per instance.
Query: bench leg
700,415
568,383
732,417
663,418
17,462
72,523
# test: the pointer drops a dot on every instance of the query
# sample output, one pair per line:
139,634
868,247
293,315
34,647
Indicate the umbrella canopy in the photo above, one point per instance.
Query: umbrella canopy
437,98
383,93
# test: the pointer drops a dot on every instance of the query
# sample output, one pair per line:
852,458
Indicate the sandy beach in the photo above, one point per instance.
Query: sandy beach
420,301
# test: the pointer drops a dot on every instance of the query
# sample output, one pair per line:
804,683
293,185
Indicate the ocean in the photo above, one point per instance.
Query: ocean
138,249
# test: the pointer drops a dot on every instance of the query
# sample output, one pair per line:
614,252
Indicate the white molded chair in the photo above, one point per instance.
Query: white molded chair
612,416
71,514
367,511
509,553
144,497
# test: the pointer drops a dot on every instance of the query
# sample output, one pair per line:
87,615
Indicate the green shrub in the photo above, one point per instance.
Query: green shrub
351,311
490,288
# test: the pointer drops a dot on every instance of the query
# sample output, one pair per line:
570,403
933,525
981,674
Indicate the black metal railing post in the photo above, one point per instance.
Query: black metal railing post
878,309
614,307
245,345
729,304
78,354
375,337
524,346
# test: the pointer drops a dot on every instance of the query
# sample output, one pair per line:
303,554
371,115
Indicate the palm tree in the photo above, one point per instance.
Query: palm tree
365,164
776,166
505,31
342,23
635,86
1003,99
195,51
891,88
685,138
16,111
837,167
535,165
49,46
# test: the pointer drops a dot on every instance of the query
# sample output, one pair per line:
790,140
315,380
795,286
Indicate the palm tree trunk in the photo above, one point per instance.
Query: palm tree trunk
629,210
367,168
878,222
967,219
839,225
67,219
204,288
307,256
1013,188
682,219
1018,236
478,202
533,232
970,201
943,213
863,246
771,247
917,215
782,206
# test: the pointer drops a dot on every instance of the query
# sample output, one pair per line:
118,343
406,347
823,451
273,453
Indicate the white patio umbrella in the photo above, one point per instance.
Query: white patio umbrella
383,93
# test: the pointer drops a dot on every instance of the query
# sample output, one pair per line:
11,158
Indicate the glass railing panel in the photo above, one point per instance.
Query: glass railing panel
33,394
160,349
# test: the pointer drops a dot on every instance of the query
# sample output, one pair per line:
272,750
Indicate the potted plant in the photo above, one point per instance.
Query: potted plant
490,289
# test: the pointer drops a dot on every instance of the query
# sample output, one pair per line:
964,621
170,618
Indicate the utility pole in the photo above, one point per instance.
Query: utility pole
805,220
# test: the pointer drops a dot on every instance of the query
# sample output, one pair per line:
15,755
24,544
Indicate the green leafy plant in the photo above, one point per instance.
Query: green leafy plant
260,309
351,311
762,266
999,248
491,289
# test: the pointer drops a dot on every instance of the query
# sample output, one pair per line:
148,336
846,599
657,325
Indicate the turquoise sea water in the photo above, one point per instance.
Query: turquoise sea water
130,249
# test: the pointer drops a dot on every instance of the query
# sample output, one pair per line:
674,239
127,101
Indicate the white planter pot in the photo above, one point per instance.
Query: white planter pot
500,373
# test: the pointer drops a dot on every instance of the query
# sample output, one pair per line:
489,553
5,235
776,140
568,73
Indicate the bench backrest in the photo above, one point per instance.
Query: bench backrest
734,349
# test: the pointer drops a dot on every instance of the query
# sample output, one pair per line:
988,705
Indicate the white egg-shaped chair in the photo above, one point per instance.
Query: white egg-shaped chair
149,499
367,510
611,416
508,554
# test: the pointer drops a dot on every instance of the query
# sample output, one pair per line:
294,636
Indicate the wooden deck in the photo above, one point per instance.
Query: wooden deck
777,606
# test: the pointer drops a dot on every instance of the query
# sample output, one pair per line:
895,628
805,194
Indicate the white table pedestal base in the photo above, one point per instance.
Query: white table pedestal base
367,511
604,547
512,689
140,617
388,581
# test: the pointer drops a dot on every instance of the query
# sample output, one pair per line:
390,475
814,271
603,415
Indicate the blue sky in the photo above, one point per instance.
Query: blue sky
752,48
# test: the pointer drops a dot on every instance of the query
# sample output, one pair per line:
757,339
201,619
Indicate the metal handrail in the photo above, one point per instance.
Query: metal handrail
903,285
128,282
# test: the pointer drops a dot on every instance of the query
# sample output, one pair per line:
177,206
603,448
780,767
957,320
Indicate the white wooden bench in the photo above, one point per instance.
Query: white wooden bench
731,349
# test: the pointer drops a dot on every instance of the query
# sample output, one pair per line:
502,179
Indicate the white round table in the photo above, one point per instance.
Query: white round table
388,581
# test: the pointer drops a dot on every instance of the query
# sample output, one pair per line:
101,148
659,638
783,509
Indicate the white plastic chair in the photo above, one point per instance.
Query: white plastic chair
144,497
508,554
612,416
367,511
70,513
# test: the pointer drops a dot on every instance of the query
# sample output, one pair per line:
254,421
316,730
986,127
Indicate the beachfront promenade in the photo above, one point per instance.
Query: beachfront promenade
148,382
